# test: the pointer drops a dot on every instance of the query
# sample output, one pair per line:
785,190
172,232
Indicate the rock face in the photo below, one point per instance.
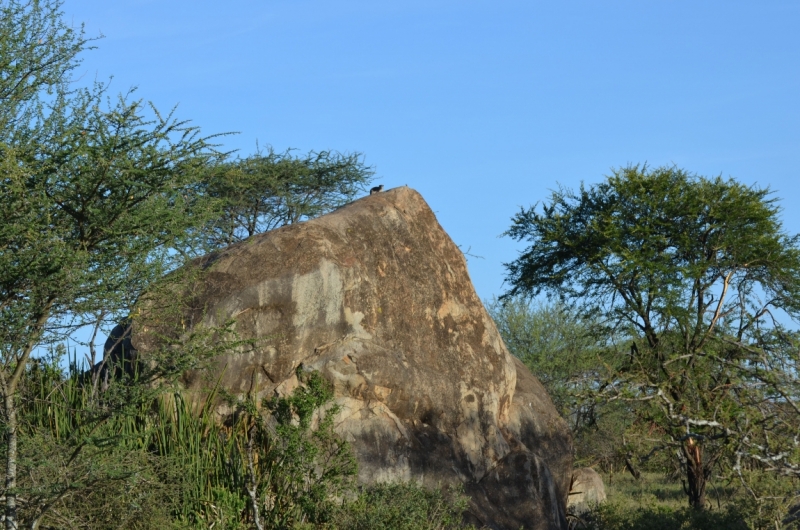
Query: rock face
377,298
587,489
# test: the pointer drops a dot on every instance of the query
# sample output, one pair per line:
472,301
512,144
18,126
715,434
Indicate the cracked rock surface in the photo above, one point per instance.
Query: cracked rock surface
377,297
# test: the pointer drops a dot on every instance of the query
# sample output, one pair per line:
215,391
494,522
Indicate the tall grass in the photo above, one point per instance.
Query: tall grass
141,457
204,462
657,502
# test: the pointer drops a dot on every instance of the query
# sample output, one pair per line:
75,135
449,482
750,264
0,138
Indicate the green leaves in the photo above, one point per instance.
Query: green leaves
557,344
657,248
306,464
38,50
404,506
92,215
691,272
102,201
269,190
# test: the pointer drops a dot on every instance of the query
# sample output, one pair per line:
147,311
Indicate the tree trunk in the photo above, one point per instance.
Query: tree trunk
11,463
9,390
695,474
632,468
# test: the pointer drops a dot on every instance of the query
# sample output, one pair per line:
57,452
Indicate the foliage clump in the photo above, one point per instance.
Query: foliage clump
165,463
611,516
268,190
103,201
404,506
162,460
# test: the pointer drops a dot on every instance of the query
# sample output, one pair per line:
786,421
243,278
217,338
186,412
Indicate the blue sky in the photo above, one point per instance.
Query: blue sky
481,106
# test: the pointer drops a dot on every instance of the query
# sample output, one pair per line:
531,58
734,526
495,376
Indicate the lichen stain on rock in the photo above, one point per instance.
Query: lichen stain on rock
318,297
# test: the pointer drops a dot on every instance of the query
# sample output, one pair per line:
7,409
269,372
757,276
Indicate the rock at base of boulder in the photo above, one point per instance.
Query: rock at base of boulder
587,490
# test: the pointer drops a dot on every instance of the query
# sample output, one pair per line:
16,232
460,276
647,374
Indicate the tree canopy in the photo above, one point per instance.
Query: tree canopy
269,189
699,278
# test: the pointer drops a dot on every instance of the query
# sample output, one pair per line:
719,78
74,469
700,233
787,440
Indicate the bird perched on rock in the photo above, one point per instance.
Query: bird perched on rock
376,189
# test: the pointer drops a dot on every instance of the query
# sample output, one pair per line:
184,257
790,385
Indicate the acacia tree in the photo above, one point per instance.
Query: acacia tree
698,275
93,194
87,227
268,190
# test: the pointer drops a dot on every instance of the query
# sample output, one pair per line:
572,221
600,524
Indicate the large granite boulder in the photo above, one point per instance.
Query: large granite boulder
377,297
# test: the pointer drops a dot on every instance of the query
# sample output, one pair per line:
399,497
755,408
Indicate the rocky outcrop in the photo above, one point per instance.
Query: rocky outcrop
587,490
378,298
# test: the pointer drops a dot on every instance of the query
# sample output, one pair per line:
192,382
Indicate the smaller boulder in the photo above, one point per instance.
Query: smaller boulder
586,490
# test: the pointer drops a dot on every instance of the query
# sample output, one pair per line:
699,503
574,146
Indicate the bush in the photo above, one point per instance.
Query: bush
613,516
161,463
406,506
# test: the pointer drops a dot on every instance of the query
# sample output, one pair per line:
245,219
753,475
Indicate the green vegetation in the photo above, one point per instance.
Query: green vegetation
557,343
403,507
268,190
95,194
657,502
169,463
680,281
